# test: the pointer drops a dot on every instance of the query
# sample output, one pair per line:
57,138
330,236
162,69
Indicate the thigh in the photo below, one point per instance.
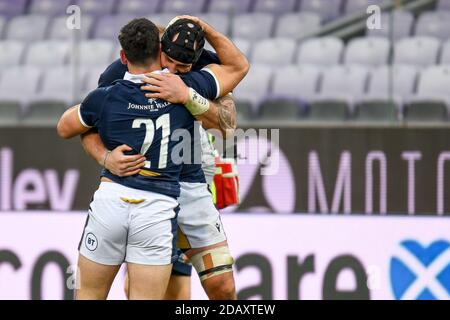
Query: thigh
199,219
94,280
179,288
148,282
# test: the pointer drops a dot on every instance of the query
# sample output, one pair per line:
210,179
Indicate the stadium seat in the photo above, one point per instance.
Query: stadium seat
254,26
434,24
279,109
297,25
219,21
434,81
374,111
12,88
9,114
244,45
108,27
274,6
390,86
419,51
47,114
341,85
326,111
11,53
432,92
95,7
327,9
183,7
2,26
95,53
372,51
255,85
299,82
138,7
49,7
325,51
59,31
58,87
161,19
274,51
398,79
445,56
443,5
349,80
91,80
402,27
11,8
359,6
49,53
19,28
229,6
426,112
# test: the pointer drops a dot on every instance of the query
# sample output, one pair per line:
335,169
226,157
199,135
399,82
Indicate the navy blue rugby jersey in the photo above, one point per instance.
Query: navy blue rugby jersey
190,172
123,115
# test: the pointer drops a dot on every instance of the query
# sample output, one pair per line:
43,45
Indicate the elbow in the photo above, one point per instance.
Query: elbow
62,131
241,68
247,65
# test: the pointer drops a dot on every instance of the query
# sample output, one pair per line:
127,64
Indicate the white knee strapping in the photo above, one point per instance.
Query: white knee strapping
212,262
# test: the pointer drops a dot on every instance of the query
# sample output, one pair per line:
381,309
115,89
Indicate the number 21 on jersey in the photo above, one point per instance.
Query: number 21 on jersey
150,128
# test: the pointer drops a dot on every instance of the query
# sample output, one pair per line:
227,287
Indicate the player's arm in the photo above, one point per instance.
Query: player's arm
233,65
80,118
70,124
115,161
221,114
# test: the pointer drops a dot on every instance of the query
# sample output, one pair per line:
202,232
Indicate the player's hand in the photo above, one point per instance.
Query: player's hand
123,165
167,87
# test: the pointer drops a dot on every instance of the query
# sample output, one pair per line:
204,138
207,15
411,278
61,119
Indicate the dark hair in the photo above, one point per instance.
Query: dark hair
139,39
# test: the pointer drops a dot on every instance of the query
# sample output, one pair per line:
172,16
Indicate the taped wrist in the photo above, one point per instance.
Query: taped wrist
196,103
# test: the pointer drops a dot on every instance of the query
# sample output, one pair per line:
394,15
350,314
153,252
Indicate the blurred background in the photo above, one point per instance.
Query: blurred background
349,100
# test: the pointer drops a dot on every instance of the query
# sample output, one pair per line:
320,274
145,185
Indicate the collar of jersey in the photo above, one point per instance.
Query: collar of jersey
137,78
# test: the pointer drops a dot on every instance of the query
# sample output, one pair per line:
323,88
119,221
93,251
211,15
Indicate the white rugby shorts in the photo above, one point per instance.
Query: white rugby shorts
130,225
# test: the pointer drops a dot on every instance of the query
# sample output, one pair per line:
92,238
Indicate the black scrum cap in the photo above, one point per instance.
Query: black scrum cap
182,49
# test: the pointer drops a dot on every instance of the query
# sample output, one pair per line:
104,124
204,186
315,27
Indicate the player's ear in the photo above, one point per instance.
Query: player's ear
161,55
123,58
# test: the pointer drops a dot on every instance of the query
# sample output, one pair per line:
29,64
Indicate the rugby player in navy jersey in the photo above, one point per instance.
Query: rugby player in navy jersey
130,218
225,77
181,56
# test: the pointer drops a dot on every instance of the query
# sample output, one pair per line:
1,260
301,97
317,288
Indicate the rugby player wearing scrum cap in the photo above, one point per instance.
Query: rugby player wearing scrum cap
182,51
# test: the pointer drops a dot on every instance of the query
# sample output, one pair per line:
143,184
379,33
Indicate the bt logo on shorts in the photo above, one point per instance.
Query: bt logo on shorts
91,241
420,272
